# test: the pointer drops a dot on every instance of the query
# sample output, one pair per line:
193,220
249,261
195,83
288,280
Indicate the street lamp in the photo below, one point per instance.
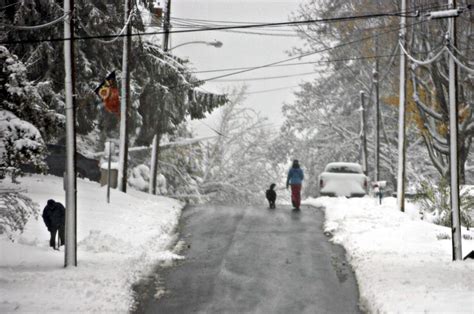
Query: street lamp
214,43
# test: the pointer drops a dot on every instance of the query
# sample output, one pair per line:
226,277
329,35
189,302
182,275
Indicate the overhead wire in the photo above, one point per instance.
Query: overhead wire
202,81
34,27
119,36
269,90
413,10
310,53
322,20
268,77
265,31
459,62
10,5
302,63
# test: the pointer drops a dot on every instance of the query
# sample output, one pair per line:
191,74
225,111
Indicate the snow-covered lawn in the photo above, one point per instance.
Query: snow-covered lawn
117,243
400,263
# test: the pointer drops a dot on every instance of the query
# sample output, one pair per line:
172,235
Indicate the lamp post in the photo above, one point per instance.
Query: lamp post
214,43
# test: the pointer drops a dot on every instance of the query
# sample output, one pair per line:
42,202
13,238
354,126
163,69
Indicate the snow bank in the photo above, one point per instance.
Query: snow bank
402,264
117,243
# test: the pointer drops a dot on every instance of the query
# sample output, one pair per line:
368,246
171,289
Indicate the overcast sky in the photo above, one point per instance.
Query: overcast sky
241,50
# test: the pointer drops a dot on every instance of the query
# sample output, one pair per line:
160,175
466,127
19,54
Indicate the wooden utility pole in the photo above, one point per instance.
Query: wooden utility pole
125,103
166,26
363,132
377,118
453,142
156,139
154,165
402,114
70,252
109,151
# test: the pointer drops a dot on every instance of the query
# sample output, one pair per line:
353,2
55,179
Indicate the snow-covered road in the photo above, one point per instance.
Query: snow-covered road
254,260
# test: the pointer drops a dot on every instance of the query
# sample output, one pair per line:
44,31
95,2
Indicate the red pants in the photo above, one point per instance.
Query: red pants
295,195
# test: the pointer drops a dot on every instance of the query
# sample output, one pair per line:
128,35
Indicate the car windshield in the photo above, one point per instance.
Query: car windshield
343,169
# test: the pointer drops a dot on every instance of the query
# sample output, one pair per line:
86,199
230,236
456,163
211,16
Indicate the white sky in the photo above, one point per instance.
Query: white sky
242,50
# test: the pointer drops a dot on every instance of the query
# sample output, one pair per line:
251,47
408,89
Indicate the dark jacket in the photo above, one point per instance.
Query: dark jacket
54,215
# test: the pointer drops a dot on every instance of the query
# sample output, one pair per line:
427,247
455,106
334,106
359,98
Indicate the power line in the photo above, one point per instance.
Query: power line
303,63
262,32
10,5
295,57
268,77
308,53
185,24
34,27
322,20
121,31
414,10
300,63
269,90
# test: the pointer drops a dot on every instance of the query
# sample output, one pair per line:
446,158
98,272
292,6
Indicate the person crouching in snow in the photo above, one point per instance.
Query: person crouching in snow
54,219
271,195
295,179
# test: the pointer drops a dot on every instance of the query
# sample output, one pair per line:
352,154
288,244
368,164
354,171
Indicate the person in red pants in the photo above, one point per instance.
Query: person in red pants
295,180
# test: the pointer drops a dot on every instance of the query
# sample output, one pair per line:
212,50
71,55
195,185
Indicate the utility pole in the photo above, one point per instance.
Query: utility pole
453,142
166,26
125,103
109,150
363,132
70,252
156,139
402,114
154,165
375,75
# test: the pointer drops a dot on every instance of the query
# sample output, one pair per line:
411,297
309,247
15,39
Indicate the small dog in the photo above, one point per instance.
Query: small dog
271,195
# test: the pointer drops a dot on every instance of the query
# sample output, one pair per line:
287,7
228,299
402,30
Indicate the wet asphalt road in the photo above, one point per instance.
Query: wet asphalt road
253,260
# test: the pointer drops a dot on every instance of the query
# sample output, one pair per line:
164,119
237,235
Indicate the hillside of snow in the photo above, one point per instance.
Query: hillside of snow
117,243
402,264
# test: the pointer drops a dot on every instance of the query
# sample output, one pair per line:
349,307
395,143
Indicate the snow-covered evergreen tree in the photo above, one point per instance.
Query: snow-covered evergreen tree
25,120
163,91
15,211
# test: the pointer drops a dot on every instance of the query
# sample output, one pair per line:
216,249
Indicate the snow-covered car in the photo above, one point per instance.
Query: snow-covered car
343,179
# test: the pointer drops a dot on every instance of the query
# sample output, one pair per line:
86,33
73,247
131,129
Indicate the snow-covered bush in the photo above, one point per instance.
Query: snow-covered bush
140,177
20,143
181,166
435,200
15,210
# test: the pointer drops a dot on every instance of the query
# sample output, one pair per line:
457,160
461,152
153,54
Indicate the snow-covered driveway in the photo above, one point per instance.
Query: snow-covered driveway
254,260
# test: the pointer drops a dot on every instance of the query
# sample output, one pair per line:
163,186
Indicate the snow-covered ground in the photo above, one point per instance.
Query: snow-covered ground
402,264
117,243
